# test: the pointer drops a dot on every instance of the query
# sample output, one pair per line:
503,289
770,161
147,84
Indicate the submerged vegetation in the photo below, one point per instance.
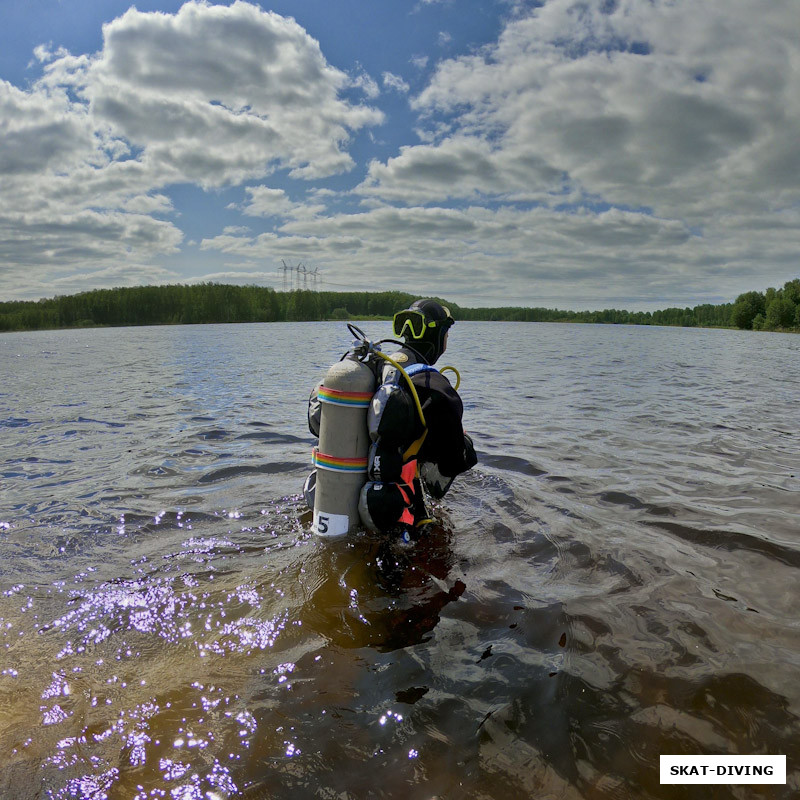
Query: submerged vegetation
775,309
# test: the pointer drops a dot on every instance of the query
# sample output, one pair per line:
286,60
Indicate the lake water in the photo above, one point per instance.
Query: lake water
617,578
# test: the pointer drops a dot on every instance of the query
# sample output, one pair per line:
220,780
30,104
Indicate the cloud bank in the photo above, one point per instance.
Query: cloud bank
211,96
598,152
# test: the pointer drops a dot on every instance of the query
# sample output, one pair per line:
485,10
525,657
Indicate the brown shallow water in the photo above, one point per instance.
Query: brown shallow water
616,580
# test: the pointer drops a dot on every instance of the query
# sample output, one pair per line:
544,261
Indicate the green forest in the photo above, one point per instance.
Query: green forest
773,310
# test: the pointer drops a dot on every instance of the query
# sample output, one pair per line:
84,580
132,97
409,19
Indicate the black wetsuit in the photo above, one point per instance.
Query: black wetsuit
405,453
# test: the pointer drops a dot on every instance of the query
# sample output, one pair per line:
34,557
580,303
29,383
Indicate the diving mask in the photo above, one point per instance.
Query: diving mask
413,323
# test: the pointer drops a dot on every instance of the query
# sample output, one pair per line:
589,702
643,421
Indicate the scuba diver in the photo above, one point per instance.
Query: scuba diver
408,448
414,434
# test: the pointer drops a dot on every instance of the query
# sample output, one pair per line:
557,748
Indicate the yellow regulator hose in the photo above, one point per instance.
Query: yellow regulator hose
458,375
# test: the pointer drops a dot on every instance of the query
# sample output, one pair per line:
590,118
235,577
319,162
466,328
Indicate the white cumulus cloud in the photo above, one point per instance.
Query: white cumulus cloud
672,106
395,82
680,115
209,95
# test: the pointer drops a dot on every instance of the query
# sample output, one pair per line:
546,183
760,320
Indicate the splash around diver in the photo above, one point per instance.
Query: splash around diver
389,430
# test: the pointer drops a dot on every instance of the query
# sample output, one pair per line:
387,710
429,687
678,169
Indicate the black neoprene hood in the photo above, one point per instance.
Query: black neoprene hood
433,340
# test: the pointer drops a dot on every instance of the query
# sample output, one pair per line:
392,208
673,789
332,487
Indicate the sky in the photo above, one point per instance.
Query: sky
574,154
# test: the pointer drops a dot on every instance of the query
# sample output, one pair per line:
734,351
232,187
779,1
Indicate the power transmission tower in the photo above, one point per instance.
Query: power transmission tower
292,280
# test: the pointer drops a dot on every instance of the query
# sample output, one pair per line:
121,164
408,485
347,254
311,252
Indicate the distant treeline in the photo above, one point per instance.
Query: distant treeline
198,303
775,309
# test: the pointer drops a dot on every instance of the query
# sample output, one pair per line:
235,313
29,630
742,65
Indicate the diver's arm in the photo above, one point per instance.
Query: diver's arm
447,445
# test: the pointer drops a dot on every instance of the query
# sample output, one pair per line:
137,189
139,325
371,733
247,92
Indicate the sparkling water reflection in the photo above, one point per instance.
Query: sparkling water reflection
613,582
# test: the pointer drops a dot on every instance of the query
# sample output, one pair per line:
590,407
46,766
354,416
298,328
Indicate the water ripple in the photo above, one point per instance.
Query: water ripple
614,581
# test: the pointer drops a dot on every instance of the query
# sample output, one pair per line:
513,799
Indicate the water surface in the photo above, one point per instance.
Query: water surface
614,581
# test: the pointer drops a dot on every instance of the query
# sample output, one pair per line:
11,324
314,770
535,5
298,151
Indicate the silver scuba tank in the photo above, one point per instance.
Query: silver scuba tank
340,459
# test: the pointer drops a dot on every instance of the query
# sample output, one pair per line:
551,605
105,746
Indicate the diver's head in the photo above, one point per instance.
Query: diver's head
424,326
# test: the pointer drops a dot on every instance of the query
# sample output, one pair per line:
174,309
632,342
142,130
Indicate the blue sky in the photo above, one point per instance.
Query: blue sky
603,153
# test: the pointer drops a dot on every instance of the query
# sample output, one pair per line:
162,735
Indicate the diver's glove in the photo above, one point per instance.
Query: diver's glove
470,459
436,483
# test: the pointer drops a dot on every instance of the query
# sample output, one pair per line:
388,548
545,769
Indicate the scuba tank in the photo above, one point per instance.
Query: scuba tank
340,459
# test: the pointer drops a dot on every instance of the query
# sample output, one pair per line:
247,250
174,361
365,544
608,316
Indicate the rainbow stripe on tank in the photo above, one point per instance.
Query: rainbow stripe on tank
337,463
338,397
